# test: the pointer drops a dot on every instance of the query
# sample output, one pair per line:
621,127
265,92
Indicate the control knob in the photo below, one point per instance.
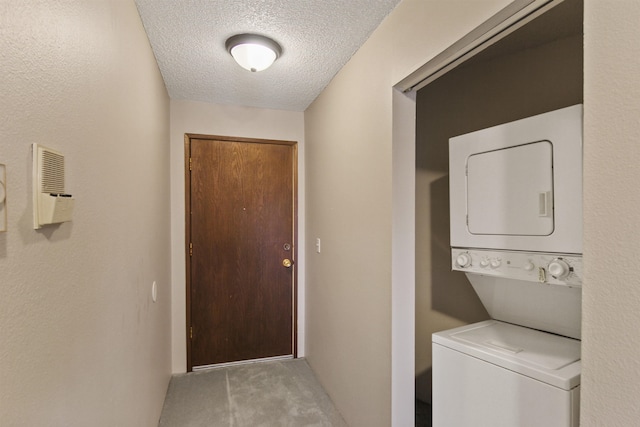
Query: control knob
495,263
559,268
463,260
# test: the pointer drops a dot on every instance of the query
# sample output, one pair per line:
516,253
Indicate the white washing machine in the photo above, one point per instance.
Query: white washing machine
495,374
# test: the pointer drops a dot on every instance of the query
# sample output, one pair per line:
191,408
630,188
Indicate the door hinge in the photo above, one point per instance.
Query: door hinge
190,249
191,332
190,165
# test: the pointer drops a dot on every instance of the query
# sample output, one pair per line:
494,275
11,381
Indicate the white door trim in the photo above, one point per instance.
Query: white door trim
515,15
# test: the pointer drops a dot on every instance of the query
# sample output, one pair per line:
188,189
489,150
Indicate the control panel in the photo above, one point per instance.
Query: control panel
556,269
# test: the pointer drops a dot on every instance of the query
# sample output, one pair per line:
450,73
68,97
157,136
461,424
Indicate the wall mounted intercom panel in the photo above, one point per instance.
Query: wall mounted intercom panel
51,204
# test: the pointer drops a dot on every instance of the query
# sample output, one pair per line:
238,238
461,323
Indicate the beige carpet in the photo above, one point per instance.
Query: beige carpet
282,393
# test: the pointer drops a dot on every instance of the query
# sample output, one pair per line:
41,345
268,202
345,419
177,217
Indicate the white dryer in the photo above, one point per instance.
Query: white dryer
516,232
518,186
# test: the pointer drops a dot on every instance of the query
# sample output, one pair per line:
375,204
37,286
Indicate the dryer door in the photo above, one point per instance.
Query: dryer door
510,191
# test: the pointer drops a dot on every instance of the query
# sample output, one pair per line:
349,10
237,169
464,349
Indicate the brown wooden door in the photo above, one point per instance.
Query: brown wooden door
241,200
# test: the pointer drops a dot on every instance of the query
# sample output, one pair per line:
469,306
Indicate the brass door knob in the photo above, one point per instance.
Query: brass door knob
287,262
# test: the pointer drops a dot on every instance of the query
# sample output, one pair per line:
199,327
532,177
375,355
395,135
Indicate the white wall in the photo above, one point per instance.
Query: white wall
81,342
611,295
211,119
349,132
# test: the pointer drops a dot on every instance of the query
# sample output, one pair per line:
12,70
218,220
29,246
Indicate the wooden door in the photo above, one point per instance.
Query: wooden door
241,220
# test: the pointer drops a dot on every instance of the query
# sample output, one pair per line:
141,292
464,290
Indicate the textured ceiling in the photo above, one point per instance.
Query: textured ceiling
317,37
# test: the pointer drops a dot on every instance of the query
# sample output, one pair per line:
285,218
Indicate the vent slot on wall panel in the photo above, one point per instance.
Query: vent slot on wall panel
52,172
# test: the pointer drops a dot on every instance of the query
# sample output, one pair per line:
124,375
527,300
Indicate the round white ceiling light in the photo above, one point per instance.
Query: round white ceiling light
253,52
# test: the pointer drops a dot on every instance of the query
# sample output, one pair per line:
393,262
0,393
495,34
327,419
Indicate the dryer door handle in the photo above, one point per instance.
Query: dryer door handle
544,204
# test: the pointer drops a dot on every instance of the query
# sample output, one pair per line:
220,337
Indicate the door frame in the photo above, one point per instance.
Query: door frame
187,203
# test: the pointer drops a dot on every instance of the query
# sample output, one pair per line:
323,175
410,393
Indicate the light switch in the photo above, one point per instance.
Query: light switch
3,198
318,245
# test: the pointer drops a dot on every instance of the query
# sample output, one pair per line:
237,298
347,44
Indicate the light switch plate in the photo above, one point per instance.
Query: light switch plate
3,198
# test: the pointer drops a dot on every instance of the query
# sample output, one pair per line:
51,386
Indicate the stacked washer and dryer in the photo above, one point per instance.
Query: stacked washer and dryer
516,232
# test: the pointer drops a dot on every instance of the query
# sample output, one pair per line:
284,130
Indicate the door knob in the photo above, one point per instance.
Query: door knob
287,262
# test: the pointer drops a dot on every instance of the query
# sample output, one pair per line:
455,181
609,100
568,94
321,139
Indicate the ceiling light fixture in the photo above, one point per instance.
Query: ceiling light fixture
253,52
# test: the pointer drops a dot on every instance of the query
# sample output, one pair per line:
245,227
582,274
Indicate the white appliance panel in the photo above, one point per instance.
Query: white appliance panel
520,288
518,186
468,391
520,265
550,308
510,191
